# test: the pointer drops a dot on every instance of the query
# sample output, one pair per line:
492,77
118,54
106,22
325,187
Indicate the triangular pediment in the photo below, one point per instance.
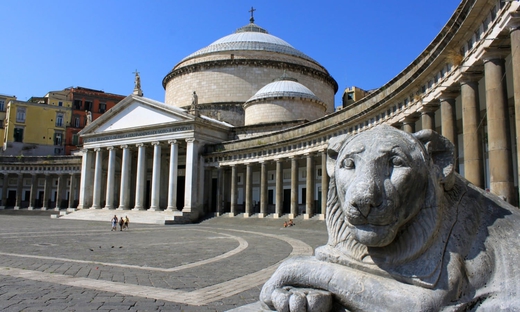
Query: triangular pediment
134,113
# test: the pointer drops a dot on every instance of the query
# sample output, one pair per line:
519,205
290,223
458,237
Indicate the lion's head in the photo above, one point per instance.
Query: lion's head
384,188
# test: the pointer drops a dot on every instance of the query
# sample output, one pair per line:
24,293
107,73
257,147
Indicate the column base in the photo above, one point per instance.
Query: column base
30,208
171,209
138,209
154,209
123,208
16,207
262,215
307,216
57,209
2,207
246,215
108,208
292,216
231,214
71,209
276,216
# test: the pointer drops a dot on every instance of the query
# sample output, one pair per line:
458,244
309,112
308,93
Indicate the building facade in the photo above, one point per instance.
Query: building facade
190,156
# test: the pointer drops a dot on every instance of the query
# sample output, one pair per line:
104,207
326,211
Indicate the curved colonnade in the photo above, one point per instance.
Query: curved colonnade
465,85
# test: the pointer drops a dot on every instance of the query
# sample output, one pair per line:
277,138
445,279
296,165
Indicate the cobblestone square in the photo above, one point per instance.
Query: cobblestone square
217,265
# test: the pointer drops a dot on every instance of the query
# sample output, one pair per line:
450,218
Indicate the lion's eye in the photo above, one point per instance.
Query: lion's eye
348,163
397,161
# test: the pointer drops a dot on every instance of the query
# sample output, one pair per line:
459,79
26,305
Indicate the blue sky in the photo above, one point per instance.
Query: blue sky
51,45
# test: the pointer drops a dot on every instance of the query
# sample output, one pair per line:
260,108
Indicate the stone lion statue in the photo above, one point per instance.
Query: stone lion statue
406,232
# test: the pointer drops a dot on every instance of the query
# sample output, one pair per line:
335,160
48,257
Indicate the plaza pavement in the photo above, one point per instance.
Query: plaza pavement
220,264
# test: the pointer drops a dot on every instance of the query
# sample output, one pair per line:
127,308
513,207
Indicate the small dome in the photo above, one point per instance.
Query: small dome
250,37
284,87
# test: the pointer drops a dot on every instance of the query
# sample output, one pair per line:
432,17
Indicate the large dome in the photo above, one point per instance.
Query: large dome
230,71
250,37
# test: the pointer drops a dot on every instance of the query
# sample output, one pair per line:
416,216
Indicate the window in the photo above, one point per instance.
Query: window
88,105
75,139
1,124
60,103
58,138
20,114
77,104
102,107
59,119
18,134
76,121
2,105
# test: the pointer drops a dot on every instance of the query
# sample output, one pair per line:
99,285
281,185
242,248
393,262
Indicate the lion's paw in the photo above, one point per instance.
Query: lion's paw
290,299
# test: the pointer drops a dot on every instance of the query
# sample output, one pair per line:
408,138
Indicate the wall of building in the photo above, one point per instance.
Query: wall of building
277,110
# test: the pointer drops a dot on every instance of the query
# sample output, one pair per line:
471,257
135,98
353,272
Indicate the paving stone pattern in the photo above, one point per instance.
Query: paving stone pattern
218,265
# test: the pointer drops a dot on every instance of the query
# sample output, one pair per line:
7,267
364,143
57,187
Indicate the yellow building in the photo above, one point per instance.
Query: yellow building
4,99
35,128
351,95
59,98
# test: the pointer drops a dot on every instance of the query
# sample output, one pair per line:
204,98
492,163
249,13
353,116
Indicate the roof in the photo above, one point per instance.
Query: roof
250,37
287,87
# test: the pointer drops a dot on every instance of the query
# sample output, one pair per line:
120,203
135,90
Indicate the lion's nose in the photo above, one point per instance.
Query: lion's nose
365,197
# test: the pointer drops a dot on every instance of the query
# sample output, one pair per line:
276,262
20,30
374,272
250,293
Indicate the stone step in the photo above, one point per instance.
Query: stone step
145,217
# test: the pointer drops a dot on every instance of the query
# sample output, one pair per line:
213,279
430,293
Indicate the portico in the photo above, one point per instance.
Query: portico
144,155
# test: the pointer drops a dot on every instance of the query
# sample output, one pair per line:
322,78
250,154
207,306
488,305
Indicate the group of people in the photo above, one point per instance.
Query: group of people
123,223
288,224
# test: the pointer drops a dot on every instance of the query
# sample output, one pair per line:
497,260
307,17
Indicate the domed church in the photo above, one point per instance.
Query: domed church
230,71
144,155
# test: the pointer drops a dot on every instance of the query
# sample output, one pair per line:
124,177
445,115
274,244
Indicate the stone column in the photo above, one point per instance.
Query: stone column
156,176
85,185
309,202
263,189
234,194
449,121
109,199
191,203
5,185
72,190
19,189
249,191
46,190
473,158
409,126
220,186
324,183
124,194
96,197
141,176
514,34
499,144
172,178
428,120
279,189
294,187
34,190
59,191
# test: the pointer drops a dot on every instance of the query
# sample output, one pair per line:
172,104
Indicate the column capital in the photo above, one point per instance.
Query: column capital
514,23
294,157
173,142
191,140
470,77
97,149
278,160
310,154
491,54
448,95
110,148
123,146
139,145
156,143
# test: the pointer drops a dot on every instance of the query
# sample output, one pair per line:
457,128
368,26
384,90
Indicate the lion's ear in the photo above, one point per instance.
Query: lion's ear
441,151
335,144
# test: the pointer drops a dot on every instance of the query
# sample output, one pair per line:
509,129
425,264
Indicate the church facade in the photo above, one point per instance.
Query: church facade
245,124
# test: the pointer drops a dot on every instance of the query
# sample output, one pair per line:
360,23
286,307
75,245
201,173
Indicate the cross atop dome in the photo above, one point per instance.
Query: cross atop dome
252,19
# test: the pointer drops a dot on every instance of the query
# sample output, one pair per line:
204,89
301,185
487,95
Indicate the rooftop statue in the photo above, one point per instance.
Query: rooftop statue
406,232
